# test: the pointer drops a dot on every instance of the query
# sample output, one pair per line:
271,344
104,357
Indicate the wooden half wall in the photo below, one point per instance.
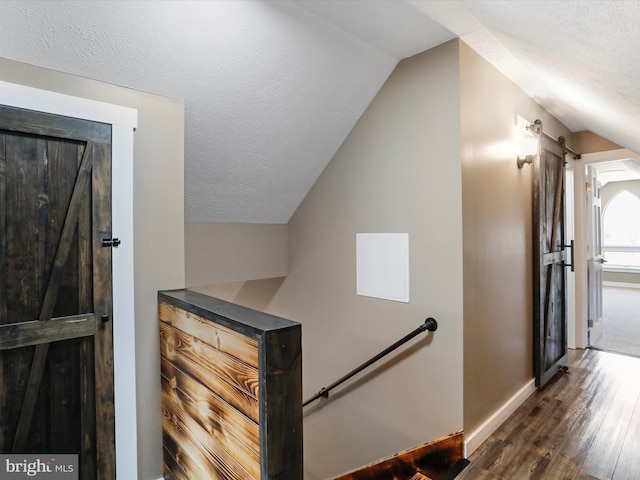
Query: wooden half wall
231,390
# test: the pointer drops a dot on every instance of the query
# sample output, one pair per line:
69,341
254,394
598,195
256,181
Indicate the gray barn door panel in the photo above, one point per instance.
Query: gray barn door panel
550,284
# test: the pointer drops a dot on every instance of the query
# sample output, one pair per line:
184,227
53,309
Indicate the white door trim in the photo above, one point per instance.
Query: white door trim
581,232
124,121
570,235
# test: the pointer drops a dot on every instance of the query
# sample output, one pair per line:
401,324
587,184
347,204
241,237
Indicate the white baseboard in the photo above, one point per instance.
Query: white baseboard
477,437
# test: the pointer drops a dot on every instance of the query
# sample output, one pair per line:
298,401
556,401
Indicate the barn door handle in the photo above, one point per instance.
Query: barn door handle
573,263
110,242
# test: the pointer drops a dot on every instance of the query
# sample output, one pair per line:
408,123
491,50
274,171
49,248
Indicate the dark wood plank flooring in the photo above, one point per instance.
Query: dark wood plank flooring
583,425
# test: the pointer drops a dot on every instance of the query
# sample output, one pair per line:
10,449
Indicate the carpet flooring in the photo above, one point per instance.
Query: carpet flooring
621,327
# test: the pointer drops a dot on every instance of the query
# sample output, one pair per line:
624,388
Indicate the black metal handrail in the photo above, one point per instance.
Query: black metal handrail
429,324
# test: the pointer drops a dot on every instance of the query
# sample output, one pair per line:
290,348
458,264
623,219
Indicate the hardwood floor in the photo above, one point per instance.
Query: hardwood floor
583,425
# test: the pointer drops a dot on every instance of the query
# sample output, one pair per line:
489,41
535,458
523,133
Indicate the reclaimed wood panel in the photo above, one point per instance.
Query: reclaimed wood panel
208,432
212,460
177,457
179,344
231,390
209,410
174,458
224,339
244,401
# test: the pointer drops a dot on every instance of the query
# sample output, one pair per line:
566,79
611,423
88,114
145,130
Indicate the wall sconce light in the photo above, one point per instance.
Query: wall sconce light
529,143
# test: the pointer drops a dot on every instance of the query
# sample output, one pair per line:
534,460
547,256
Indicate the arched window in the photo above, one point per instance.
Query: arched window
621,231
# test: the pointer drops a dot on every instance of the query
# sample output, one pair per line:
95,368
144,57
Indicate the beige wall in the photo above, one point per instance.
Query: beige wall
158,225
621,277
498,328
589,142
611,189
230,252
434,156
398,171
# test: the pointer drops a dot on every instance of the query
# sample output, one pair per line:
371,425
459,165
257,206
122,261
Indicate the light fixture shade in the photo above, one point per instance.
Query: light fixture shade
528,140
528,146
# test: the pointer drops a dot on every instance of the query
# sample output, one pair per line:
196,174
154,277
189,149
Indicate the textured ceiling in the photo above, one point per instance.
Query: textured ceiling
273,88
581,58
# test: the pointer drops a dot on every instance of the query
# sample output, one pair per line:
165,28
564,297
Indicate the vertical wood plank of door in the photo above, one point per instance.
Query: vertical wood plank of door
557,203
43,213
59,414
538,269
23,297
87,384
50,297
22,190
3,277
3,239
103,344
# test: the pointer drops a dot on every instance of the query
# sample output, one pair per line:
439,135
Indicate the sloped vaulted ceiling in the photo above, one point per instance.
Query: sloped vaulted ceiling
273,88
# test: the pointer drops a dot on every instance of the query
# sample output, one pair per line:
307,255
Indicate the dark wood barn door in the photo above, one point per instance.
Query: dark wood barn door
56,355
550,282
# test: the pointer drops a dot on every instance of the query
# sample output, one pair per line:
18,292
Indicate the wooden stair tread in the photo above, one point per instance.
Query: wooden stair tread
430,461
419,476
